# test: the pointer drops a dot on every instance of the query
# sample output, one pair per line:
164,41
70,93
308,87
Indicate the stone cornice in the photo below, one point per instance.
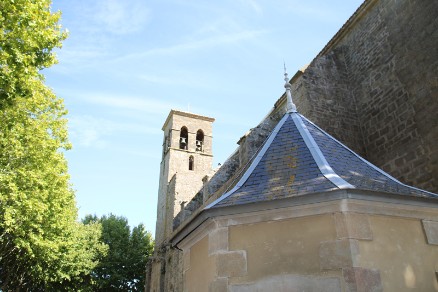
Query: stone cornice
186,114
317,203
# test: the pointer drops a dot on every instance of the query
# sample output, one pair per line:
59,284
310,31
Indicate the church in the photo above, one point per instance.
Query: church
335,190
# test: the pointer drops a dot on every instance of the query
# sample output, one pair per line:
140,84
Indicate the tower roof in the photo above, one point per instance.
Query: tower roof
299,158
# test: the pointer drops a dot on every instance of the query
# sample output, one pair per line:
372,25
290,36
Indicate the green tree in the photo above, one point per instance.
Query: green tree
29,32
123,268
42,246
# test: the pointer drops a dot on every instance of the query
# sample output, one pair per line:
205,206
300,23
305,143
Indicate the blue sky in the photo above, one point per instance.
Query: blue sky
127,63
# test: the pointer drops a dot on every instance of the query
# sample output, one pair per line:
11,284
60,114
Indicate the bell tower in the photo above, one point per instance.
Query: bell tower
186,158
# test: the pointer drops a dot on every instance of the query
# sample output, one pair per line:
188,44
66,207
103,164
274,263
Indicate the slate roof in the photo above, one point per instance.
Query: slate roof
299,158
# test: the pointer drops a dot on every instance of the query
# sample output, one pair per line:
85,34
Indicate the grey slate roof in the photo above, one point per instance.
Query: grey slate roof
299,158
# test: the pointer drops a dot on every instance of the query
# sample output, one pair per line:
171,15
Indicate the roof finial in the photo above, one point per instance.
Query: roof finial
291,108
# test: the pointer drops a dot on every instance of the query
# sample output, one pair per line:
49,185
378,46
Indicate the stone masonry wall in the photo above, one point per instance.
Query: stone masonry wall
392,59
375,88
322,93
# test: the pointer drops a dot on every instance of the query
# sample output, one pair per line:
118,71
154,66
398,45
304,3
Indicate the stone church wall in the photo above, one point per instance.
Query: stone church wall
393,66
374,246
375,88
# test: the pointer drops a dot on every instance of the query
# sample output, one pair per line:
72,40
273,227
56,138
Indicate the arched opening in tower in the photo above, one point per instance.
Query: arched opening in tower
200,140
183,138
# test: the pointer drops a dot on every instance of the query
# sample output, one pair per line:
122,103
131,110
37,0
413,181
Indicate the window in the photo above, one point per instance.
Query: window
199,140
191,162
183,138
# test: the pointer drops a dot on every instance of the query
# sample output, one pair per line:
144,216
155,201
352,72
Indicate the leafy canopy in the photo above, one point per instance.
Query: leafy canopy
42,246
29,32
124,267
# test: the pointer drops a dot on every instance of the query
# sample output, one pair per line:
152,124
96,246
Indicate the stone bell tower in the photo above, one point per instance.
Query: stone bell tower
186,158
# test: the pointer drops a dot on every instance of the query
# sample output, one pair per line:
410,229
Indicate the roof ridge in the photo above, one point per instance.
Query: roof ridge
318,156
381,171
254,163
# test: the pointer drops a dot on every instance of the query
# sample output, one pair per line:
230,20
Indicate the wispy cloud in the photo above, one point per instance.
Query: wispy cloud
109,16
185,78
89,131
96,25
190,46
254,5
122,17
150,106
75,56
325,13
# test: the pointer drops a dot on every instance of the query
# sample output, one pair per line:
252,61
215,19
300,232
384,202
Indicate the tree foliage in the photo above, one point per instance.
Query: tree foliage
42,246
124,267
29,32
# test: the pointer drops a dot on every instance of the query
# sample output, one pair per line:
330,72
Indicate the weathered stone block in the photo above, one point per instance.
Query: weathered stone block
294,283
218,240
362,280
431,230
353,225
219,285
231,264
338,254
